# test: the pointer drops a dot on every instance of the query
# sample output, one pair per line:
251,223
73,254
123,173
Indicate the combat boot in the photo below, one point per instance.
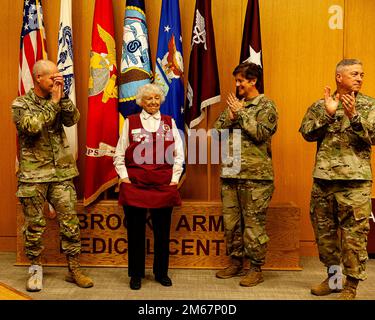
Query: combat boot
253,277
35,281
350,289
235,269
326,288
76,275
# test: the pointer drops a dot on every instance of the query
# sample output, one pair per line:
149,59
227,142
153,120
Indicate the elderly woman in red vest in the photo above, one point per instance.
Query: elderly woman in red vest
149,160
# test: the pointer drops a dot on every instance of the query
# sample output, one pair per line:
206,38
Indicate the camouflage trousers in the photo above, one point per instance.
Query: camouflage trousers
340,212
245,203
63,197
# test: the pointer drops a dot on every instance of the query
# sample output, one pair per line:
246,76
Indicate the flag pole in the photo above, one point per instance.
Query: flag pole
209,171
41,29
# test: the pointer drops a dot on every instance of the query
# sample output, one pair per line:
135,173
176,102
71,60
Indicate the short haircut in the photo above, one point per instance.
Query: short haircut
346,62
250,71
41,67
147,90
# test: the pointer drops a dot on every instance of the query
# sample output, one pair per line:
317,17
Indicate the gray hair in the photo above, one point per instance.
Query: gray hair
148,89
41,67
346,62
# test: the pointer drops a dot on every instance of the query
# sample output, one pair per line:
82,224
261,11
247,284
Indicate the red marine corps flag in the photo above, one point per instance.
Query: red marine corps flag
251,49
102,116
203,87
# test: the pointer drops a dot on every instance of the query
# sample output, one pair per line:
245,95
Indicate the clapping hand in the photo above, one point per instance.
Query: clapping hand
234,105
57,89
331,103
348,102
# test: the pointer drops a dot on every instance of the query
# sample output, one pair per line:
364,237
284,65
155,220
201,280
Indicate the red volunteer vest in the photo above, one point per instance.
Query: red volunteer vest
149,162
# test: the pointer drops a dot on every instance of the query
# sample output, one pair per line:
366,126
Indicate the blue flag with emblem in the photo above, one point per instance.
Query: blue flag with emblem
135,61
169,70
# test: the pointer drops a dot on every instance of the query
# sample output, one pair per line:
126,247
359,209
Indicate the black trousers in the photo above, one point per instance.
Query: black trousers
136,225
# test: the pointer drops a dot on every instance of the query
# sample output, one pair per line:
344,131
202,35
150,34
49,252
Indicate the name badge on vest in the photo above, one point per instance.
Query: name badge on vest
138,130
136,134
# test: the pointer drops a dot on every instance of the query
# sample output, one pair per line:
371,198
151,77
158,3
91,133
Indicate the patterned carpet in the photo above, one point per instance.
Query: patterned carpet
188,284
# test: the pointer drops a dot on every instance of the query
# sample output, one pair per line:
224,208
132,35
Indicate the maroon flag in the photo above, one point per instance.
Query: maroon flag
251,49
102,115
203,87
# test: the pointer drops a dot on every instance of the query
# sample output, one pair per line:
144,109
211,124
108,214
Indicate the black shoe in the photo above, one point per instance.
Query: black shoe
164,281
135,283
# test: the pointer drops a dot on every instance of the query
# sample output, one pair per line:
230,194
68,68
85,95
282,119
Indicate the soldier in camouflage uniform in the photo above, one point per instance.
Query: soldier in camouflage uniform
46,170
343,125
247,180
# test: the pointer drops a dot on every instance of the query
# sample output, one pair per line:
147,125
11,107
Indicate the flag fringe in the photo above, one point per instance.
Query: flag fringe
139,69
204,105
127,99
102,188
135,8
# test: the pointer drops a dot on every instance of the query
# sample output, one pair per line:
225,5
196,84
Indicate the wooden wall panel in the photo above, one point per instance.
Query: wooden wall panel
8,91
298,65
83,14
360,43
299,54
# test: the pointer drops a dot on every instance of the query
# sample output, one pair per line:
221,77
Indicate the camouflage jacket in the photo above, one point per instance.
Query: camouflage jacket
343,146
257,123
44,154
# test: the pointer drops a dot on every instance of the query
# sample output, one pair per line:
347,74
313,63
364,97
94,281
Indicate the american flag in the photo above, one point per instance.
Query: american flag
33,43
33,47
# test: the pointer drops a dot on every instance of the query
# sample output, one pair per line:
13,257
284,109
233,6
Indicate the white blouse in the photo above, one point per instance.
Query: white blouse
150,123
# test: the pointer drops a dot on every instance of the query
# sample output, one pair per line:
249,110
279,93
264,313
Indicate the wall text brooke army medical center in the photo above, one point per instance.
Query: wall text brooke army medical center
106,234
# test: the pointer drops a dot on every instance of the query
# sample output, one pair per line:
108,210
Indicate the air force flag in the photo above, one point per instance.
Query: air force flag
169,72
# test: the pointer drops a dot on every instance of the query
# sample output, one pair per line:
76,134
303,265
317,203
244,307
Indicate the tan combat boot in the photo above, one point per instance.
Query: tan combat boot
235,269
327,287
35,281
253,277
350,289
76,275
323,289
